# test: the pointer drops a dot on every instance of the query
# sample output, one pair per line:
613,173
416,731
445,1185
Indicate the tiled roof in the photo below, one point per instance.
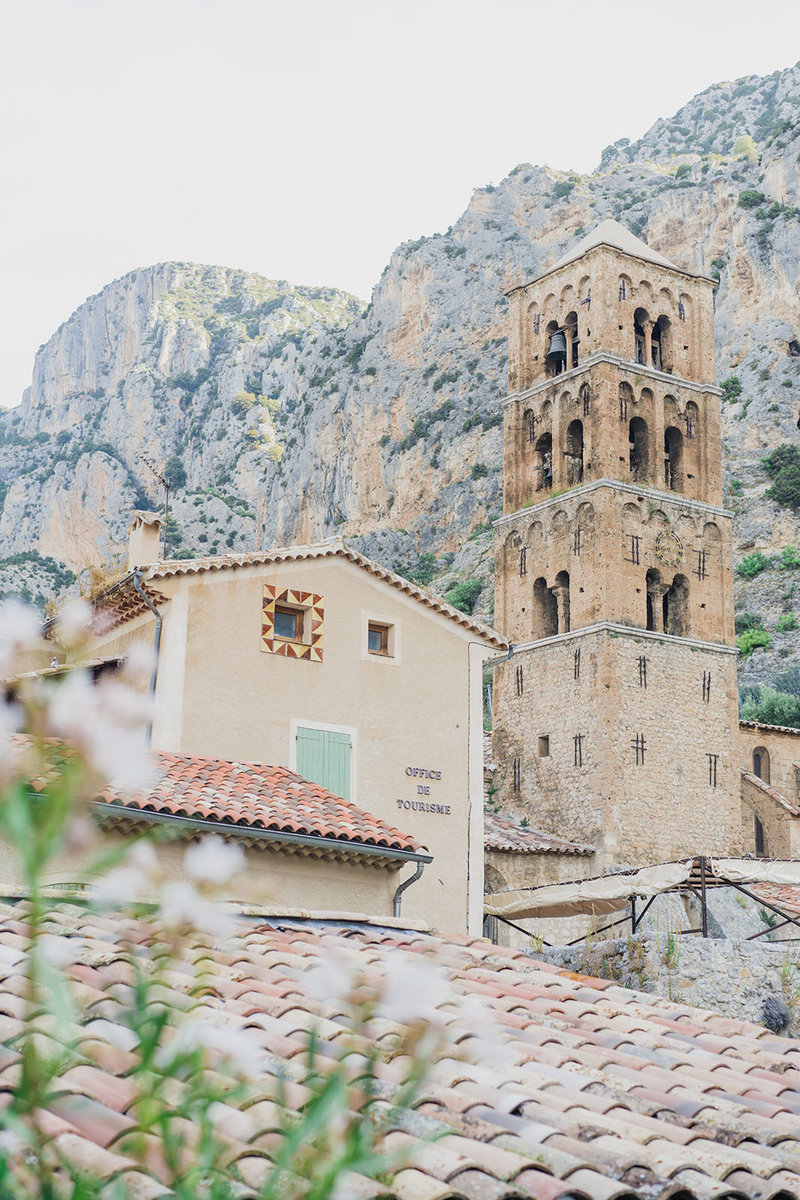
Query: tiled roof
770,792
770,728
501,833
251,796
596,1093
121,604
783,897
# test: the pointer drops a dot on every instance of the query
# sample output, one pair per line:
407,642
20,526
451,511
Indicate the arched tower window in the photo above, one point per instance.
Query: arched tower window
638,450
662,345
575,450
545,611
673,459
692,419
561,593
761,763
676,607
656,591
641,319
571,331
543,463
556,352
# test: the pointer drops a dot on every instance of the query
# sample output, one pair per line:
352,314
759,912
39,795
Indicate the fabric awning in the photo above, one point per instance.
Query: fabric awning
612,893
608,894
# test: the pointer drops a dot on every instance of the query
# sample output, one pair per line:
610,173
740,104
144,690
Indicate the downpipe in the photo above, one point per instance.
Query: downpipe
137,586
398,896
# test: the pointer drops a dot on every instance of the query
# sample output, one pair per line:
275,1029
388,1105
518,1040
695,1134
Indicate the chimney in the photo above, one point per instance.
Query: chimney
144,539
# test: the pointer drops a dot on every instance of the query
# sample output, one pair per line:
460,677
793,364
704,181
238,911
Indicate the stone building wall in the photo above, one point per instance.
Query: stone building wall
618,285
580,426
780,825
599,542
782,746
576,765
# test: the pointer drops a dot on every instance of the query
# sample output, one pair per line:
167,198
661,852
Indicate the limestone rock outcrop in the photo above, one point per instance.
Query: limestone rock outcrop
288,414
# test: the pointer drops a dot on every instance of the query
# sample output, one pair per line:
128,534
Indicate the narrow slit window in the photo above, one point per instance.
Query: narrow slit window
577,663
517,775
706,686
543,746
700,566
523,561
520,682
578,749
632,547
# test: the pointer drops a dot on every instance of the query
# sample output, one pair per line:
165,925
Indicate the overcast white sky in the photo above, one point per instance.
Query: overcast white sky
306,140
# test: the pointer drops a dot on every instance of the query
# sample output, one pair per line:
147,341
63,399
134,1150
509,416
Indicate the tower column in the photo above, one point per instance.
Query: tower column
656,593
561,593
559,462
648,343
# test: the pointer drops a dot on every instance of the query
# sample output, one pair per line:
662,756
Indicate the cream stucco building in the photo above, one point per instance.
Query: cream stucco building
319,660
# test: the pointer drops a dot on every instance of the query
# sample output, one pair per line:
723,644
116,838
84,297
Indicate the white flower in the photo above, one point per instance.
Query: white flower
142,855
412,988
213,860
10,1143
115,1034
19,625
239,1049
486,1044
182,907
138,662
73,623
58,949
107,722
331,978
121,886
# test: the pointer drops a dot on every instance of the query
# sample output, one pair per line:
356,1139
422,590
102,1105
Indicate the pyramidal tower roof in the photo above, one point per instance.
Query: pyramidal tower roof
611,233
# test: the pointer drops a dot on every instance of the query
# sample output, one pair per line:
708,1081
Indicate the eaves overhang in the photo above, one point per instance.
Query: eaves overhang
309,844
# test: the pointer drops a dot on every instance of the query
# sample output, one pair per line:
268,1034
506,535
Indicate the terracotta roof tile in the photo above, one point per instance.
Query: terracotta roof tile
254,796
674,1102
502,833
770,792
121,602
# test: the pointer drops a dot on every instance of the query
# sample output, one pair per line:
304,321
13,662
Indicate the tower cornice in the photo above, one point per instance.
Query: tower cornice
630,489
603,356
618,630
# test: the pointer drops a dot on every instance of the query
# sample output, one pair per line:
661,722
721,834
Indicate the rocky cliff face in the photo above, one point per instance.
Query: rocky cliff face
287,414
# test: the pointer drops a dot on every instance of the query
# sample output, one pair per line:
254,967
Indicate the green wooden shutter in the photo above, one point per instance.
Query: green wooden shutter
324,758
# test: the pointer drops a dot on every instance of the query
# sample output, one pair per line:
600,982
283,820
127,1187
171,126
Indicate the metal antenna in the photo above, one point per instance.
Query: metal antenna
165,486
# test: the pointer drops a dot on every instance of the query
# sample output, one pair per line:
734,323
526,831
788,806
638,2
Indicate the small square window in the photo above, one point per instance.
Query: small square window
543,746
378,638
288,624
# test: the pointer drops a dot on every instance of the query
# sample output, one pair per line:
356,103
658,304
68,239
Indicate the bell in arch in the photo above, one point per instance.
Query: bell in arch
557,352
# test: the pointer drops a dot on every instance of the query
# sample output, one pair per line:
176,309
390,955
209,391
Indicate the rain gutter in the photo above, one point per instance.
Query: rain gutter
198,824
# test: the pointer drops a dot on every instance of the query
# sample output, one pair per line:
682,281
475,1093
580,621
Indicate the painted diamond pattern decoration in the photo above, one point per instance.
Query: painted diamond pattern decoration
311,603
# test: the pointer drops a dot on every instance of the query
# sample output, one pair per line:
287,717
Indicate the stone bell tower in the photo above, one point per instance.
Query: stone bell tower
616,717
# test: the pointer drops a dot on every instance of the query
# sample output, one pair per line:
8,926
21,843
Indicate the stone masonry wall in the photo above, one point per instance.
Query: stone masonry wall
606,538
589,695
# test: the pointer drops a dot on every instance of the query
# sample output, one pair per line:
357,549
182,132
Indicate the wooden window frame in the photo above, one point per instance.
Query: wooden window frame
385,631
300,623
